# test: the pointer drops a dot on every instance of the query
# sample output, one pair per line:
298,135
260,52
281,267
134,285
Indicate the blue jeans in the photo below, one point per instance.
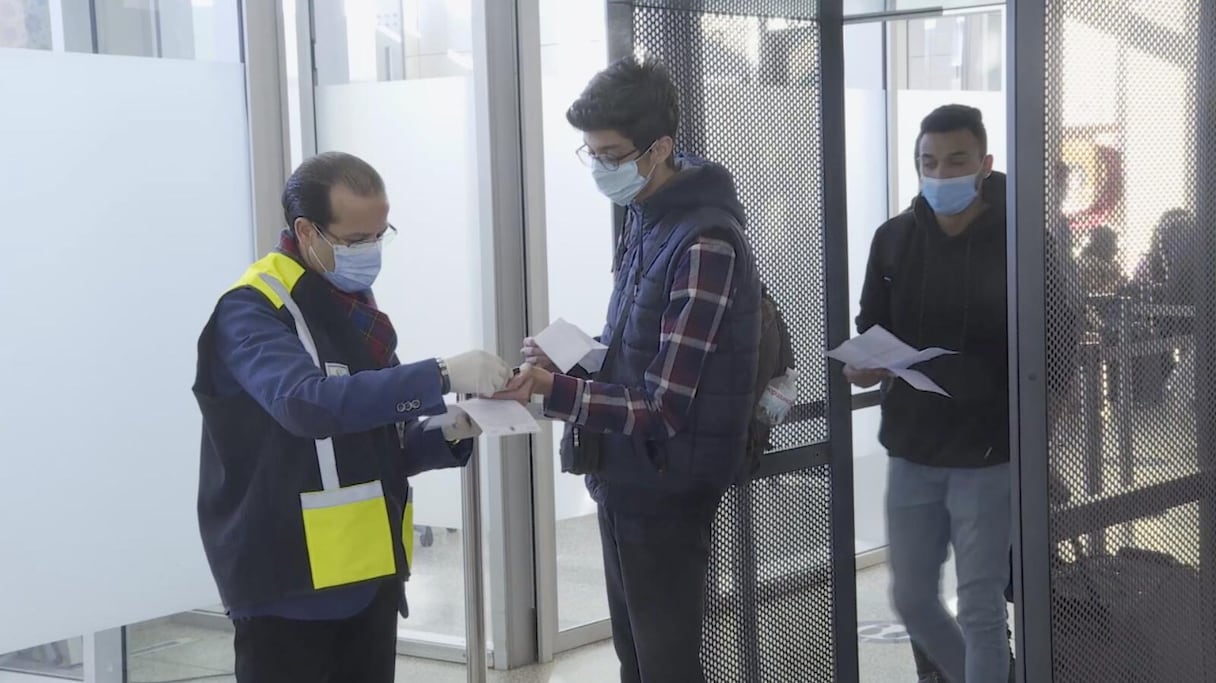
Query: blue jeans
928,510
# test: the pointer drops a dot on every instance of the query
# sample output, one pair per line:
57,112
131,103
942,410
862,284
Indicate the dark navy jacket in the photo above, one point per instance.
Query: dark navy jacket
264,400
692,468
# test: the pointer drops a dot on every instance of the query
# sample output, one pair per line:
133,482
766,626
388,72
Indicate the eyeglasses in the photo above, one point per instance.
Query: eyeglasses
609,163
383,239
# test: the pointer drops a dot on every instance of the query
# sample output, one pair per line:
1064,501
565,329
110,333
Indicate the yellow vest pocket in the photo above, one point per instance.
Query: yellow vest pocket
348,535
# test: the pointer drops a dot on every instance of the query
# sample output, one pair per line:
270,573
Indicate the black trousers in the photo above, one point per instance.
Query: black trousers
655,569
362,649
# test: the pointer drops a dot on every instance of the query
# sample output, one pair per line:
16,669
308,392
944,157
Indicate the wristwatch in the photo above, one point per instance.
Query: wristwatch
445,378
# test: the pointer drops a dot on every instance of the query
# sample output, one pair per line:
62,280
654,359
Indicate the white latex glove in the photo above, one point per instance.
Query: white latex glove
461,426
477,372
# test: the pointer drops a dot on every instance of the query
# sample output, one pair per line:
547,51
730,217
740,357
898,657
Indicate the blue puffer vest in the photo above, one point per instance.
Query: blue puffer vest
698,463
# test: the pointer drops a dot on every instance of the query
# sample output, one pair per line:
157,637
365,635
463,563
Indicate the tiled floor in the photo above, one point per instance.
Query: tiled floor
436,589
169,652
166,651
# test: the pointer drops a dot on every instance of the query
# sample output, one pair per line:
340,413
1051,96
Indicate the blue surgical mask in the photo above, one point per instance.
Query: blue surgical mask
950,196
622,184
355,266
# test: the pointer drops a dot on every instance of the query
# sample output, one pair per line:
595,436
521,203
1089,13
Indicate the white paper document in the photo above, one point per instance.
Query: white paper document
878,349
567,346
500,418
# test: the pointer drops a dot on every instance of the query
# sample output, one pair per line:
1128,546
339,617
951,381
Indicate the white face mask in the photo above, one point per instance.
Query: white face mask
355,266
624,183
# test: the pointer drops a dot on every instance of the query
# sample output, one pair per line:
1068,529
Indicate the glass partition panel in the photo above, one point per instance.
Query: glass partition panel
579,239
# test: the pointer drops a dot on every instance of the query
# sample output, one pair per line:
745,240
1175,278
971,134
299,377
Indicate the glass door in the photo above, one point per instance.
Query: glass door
575,267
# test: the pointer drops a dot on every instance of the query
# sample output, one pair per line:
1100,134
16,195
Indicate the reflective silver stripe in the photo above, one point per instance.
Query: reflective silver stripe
328,463
316,500
301,326
326,460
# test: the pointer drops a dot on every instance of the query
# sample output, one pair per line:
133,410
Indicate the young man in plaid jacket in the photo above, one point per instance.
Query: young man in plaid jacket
668,413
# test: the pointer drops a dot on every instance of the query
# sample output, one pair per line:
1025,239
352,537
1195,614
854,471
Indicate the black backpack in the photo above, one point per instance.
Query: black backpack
776,356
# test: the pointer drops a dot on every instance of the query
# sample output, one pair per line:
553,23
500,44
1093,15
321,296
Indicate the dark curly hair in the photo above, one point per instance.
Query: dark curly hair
634,98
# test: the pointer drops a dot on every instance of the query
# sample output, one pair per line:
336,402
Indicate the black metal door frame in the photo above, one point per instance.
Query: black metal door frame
759,658
1035,55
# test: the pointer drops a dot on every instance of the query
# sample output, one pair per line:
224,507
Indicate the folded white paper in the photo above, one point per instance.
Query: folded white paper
878,349
567,346
920,381
440,421
500,418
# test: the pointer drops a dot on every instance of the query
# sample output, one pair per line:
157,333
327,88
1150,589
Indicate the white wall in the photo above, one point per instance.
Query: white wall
127,213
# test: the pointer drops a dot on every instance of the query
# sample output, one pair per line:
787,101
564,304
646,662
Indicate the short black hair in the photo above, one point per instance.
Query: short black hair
951,118
306,194
634,98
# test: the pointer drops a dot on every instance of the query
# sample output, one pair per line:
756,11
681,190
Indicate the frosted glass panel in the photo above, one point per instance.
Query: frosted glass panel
419,135
866,162
579,240
390,40
866,157
866,153
127,214
870,481
578,222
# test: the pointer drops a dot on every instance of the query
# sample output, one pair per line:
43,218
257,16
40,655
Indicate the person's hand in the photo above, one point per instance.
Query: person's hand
864,378
534,356
477,372
461,427
531,380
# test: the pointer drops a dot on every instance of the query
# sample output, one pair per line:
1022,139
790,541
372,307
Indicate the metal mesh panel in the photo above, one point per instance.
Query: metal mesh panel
1122,133
769,611
784,9
750,99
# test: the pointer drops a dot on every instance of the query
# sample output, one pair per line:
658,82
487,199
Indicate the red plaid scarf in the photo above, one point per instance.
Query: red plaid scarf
360,309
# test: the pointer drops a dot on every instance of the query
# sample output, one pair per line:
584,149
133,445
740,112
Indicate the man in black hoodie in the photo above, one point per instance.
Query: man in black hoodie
936,278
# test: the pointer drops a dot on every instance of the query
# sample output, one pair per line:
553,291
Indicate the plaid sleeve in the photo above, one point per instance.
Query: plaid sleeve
700,296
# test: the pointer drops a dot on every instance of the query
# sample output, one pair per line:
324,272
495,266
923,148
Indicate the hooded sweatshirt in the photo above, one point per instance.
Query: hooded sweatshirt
933,290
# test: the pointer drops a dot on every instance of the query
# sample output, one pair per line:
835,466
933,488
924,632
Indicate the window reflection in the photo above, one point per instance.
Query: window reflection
198,30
